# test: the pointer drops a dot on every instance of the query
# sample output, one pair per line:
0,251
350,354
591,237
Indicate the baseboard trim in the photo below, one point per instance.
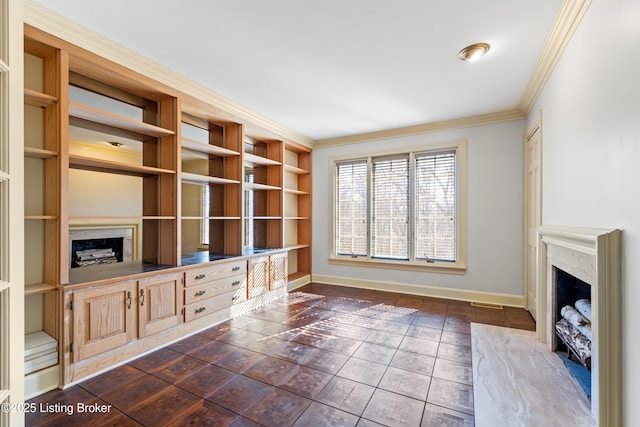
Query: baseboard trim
424,290
298,283
41,382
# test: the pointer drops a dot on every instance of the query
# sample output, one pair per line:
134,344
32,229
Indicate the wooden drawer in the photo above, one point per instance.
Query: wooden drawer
211,305
198,276
215,287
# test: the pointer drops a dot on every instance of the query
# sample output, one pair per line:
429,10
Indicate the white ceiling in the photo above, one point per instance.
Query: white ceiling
332,68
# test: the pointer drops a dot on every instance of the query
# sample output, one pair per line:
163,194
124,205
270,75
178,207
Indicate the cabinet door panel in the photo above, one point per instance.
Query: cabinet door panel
104,318
160,302
258,279
278,271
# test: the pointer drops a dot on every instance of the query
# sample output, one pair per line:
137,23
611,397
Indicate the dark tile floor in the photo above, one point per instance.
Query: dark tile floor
326,355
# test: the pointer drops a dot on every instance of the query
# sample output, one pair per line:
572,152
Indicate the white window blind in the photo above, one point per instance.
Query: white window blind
351,208
435,206
390,207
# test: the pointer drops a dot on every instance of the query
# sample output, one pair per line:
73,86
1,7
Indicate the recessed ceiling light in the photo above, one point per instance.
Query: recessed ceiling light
115,144
473,52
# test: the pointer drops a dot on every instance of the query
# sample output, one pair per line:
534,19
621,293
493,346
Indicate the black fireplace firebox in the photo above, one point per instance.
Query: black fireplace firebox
88,252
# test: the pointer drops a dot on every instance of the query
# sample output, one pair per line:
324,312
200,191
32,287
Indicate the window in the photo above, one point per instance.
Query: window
405,209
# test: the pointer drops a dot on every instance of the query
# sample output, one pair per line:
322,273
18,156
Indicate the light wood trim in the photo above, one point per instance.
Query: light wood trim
40,217
296,247
111,218
38,288
211,217
39,153
295,191
203,179
34,98
296,217
250,158
294,169
256,186
95,115
195,145
99,165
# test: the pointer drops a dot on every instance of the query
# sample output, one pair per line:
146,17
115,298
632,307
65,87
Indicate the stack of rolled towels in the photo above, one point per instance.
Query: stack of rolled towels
575,329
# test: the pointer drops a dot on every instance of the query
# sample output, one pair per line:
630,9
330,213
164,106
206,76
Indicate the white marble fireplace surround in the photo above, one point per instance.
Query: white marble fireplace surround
593,256
128,232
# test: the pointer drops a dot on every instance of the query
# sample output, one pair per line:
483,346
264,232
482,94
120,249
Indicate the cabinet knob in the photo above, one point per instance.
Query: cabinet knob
200,310
200,293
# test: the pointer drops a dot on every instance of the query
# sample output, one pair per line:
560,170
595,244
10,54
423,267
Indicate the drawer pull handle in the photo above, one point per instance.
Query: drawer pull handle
236,283
200,276
141,297
200,293
128,300
234,298
236,268
200,310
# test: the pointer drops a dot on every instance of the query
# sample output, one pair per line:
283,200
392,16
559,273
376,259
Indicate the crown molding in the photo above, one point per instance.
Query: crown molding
479,120
565,25
71,32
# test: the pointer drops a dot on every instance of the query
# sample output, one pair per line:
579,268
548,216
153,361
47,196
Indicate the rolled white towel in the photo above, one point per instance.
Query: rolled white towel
584,307
572,315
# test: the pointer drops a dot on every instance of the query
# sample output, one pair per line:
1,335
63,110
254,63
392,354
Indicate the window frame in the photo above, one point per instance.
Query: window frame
452,267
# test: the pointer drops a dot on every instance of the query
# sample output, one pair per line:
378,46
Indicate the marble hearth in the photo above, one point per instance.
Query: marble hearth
593,256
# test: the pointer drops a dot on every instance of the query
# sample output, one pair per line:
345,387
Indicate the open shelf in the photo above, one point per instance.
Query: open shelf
295,247
98,165
211,217
113,217
256,186
95,115
295,170
203,179
192,144
34,98
254,159
295,191
40,217
39,153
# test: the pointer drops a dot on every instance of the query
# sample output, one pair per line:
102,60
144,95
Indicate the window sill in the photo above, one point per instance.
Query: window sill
436,267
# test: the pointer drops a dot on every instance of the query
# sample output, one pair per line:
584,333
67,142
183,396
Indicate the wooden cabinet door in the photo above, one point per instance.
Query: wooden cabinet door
159,303
258,277
103,318
278,271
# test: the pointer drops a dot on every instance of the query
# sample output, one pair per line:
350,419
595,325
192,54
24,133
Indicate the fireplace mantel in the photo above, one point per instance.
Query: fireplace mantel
592,255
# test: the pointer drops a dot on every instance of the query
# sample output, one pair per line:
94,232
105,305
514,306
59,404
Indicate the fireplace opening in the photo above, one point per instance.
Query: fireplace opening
573,335
88,252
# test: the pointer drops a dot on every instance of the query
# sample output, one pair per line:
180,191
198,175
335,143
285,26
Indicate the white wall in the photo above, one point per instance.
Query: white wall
494,211
591,151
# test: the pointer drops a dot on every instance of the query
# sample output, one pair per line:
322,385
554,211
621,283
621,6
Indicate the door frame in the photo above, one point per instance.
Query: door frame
11,211
529,208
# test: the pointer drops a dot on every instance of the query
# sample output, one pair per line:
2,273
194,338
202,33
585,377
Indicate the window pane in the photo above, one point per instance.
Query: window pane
390,207
351,208
435,217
